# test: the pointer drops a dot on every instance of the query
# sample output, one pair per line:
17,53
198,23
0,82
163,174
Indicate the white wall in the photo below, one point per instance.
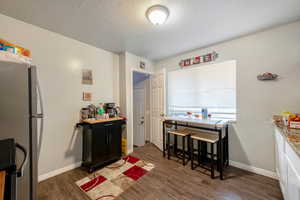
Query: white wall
59,63
128,64
276,50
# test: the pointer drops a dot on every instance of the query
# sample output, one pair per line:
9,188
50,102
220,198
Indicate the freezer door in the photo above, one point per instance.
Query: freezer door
15,117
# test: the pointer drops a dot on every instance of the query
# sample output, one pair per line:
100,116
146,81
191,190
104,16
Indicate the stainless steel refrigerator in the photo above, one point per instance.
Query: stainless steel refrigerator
19,100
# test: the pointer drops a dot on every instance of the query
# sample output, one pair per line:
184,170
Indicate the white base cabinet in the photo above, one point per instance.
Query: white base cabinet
287,168
293,186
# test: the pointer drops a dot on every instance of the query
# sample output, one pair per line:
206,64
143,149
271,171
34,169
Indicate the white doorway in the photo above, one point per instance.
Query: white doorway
139,116
141,108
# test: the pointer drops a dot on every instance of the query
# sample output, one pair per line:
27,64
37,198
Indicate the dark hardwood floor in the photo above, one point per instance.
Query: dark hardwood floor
170,180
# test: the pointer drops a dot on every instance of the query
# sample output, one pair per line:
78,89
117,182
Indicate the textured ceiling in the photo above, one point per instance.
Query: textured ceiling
119,25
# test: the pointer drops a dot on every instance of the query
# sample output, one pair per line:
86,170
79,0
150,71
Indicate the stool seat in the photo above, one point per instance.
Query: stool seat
203,136
181,132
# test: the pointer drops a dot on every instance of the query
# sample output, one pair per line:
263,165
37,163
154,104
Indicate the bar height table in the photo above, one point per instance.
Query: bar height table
216,125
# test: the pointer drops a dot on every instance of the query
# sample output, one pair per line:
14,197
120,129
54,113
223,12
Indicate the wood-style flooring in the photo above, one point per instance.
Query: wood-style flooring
170,180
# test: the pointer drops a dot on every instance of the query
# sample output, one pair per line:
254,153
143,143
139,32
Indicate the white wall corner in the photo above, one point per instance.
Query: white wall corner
253,169
58,171
116,78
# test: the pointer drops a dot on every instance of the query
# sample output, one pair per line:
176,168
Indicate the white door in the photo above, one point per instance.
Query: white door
157,108
139,117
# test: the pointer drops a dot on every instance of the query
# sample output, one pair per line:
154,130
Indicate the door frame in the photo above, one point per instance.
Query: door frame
130,110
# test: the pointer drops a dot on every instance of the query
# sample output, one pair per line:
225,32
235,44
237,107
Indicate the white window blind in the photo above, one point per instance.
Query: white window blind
211,86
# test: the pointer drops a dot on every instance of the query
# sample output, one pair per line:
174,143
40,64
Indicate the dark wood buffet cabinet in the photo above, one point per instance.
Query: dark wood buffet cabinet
101,142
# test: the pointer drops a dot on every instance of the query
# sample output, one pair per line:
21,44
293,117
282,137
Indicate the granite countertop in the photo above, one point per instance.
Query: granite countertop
291,135
215,122
95,121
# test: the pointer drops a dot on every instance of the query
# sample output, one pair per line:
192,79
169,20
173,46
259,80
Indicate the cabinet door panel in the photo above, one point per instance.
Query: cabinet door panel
283,167
293,186
115,140
277,157
100,148
281,162
293,157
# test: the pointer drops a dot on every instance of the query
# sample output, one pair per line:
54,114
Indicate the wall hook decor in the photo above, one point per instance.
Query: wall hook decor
267,76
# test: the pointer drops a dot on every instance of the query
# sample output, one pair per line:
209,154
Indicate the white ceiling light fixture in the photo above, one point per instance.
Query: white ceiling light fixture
157,14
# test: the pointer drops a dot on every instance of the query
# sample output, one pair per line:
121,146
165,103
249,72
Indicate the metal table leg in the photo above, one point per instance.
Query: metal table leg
183,150
218,156
227,146
189,146
212,170
164,140
199,151
192,152
168,145
175,144
221,154
203,152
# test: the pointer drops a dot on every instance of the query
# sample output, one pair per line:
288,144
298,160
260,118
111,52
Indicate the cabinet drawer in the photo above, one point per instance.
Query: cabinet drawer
293,157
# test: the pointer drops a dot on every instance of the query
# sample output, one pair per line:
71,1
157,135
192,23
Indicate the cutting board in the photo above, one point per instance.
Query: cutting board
2,184
102,120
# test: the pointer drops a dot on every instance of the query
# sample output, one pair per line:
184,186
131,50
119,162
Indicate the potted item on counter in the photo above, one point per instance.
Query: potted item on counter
84,114
294,121
278,119
204,113
285,117
189,114
288,119
197,116
100,112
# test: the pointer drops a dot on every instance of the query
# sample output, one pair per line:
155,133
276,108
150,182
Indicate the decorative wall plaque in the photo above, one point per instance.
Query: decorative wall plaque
87,77
198,59
87,96
267,76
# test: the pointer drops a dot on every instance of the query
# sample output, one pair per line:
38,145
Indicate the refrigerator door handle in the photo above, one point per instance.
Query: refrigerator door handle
40,116
20,171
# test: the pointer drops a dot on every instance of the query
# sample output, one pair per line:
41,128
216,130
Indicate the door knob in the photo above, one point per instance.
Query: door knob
162,114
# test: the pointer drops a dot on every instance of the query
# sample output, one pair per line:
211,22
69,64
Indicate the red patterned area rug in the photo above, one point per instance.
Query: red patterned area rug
111,181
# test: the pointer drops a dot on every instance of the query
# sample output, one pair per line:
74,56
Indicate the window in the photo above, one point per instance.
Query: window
211,86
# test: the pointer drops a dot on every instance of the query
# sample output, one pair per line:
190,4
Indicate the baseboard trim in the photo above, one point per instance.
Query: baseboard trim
243,166
253,169
58,171
129,151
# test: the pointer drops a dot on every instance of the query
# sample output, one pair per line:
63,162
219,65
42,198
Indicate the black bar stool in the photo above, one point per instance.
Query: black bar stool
185,135
203,137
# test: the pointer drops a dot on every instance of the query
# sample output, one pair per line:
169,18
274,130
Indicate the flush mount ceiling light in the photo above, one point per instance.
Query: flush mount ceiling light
157,14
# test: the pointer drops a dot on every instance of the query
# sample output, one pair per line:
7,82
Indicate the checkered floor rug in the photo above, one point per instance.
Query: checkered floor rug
111,181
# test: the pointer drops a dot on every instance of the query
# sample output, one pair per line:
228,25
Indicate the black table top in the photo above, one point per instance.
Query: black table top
7,154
